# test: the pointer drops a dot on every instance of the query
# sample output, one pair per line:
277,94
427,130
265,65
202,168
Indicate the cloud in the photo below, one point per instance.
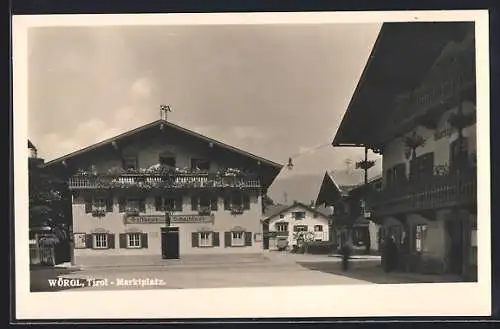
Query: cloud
248,132
141,88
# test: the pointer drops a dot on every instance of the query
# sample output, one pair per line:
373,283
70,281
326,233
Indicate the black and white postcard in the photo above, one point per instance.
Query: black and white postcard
329,164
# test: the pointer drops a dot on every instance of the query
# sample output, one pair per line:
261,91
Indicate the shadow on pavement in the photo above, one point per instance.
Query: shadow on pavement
40,276
370,271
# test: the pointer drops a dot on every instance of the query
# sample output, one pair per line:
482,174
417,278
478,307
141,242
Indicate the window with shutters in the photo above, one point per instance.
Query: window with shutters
135,205
134,240
168,203
206,239
237,202
300,228
237,239
100,241
98,204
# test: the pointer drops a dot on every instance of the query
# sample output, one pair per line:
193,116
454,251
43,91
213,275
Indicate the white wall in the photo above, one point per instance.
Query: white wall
113,223
310,220
394,151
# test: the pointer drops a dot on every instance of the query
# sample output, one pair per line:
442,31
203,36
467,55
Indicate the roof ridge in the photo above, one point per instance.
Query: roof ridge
152,124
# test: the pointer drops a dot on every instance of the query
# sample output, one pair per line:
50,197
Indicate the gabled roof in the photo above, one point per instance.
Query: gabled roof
166,124
329,191
274,209
269,170
294,205
31,145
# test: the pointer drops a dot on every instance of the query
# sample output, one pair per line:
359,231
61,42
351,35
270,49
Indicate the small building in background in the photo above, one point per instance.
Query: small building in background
286,222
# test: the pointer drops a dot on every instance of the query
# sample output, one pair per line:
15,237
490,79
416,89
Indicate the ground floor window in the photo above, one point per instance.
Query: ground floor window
100,241
237,239
134,240
318,228
300,228
206,239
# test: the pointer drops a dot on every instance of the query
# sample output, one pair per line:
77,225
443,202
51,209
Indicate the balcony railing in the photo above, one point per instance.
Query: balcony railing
438,191
434,94
161,181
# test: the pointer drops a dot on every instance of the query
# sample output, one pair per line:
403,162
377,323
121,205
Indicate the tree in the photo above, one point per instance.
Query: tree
47,202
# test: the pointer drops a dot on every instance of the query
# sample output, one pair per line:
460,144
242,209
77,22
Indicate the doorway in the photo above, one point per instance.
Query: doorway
170,242
454,229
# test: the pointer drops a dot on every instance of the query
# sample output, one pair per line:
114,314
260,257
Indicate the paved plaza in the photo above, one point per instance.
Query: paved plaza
270,269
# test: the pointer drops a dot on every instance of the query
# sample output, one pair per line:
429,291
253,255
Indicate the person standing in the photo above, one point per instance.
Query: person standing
346,254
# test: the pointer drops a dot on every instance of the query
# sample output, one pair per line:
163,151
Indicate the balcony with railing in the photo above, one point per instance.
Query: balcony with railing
163,180
434,192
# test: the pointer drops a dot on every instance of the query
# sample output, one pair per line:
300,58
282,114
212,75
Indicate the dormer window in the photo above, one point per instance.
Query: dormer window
200,164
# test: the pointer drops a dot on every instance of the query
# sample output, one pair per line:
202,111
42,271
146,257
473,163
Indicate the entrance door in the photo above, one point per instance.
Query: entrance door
170,242
455,256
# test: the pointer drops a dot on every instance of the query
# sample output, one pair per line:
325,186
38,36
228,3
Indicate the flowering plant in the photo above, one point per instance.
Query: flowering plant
237,210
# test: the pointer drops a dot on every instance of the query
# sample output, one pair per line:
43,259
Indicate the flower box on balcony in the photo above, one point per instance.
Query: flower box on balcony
98,212
132,212
205,212
237,211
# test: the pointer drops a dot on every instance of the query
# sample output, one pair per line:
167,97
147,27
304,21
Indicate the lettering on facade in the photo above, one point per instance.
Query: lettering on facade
174,219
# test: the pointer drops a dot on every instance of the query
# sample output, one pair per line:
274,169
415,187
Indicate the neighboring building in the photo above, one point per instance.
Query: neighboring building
284,223
164,191
329,192
415,104
353,218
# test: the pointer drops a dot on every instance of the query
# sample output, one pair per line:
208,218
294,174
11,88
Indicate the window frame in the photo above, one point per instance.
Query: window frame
129,240
237,241
296,217
95,239
318,226
209,240
305,228
277,226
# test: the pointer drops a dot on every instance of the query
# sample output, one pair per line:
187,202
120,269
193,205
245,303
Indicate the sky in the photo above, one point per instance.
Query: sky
274,90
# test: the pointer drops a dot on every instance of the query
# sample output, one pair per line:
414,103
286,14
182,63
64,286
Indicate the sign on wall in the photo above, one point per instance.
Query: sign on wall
79,240
174,219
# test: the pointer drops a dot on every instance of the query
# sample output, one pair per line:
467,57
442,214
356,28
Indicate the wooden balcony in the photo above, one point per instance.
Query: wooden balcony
160,181
445,191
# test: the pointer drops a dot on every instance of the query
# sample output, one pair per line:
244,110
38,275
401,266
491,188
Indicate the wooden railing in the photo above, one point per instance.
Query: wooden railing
428,97
145,181
426,194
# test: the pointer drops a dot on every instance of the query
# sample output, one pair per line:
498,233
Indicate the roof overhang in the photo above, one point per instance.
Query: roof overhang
268,169
401,57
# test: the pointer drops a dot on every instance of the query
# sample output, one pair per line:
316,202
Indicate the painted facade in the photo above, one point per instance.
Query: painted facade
427,139
284,226
165,194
